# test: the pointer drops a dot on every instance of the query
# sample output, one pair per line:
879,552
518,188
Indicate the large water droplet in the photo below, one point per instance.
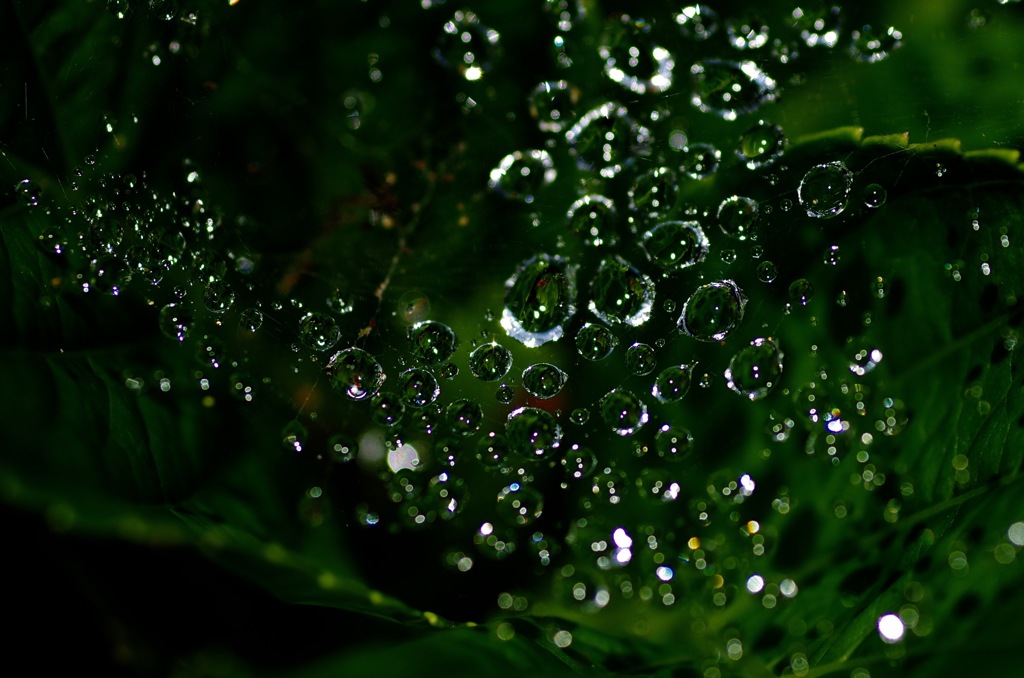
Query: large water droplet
595,342
825,190
490,362
520,504
432,342
521,174
355,373
464,416
533,432
761,145
641,359
699,160
606,139
544,380
319,331
620,293
466,45
539,299
713,311
623,412
755,369
553,105
592,217
730,88
417,388
736,216
676,245
632,59
697,22
673,383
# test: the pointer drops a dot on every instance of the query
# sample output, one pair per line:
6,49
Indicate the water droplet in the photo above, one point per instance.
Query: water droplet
623,412
832,255
606,139
676,245
466,45
654,192
592,217
595,342
544,380
28,191
355,373
819,23
505,394
539,299
730,88
755,369
418,388
293,436
713,311
520,504
493,451
621,294
699,160
533,432
251,319
339,302
632,59
432,342
801,291
388,409
697,22
464,416
553,104
729,256
319,331
874,195
672,383
736,216
490,362
218,296
871,45
673,443
641,359
175,322
748,32
767,272
521,174
761,145
825,189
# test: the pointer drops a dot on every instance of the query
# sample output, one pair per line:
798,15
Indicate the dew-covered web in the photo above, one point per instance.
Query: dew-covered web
505,372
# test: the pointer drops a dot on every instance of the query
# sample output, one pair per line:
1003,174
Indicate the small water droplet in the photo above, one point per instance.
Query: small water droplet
673,383
673,443
871,45
747,32
467,46
761,145
593,217
654,192
520,175
175,322
621,294
490,362
387,409
595,342
539,299
736,216
251,319
756,369
676,245
632,59
580,416
417,388
355,373
544,380
767,272
533,432
713,311
825,189
623,412
606,139
699,160
801,291
520,504
641,359
553,104
697,22
319,331
730,88
874,195
432,342
464,416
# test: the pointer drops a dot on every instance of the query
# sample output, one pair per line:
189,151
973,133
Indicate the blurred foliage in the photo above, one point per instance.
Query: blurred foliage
177,165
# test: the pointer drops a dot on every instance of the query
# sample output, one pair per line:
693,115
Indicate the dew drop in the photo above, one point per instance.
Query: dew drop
874,195
175,322
870,45
676,245
595,342
342,448
621,294
672,383
355,373
580,416
606,139
520,504
654,192
553,104
521,174
819,23
544,380
825,190
432,342
761,145
713,311
539,299
319,332
388,409
623,412
218,296
756,369
767,272
464,416
467,46
736,216
641,359
697,22
579,462
801,291
417,388
505,394
490,362
592,217
251,319
632,59
533,432
747,32
699,160
730,88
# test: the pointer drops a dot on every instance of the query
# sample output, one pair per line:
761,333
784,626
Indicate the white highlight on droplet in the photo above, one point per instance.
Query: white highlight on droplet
891,628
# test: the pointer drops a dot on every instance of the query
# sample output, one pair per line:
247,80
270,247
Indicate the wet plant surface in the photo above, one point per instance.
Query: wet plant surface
572,337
